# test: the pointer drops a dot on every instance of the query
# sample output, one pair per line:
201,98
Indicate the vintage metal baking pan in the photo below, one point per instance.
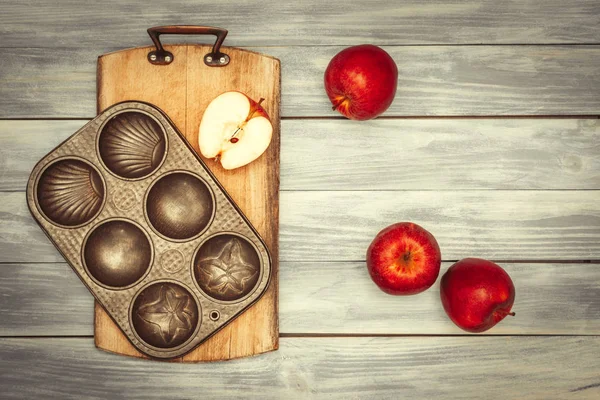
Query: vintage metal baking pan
148,229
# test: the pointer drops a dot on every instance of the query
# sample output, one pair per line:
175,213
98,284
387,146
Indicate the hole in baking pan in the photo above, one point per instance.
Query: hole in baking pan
215,315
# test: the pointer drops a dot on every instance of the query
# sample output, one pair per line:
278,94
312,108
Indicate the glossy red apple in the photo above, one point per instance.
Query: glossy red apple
477,294
404,259
361,81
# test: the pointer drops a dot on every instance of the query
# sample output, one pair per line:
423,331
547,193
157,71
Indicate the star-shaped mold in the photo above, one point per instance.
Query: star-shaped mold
227,267
165,315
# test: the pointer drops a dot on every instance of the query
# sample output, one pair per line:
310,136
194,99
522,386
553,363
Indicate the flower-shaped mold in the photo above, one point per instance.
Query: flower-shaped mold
132,145
117,253
165,315
70,192
179,206
227,267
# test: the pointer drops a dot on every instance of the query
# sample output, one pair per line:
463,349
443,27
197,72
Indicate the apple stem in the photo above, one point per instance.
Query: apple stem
336,105
512,314
255,109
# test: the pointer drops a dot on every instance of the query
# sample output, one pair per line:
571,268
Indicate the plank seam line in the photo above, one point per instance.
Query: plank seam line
426,335
432,190
342,335
339,118
304,45
522,261
396,190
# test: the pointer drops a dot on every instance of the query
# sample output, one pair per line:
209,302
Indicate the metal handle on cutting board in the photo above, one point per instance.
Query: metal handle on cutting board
162,57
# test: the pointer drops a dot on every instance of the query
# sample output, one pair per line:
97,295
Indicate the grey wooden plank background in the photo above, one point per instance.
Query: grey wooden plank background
344,368
552,299
68,23
520,191
500,225
404,154
338,226
433,81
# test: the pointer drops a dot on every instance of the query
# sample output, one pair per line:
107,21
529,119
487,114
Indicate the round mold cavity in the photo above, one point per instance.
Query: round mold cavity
227,267
179,206
117,254
132,145
70,192
165,315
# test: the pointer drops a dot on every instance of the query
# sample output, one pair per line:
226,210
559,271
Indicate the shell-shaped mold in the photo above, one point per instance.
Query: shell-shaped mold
117,253
132,145
70,192
227,267
179,206
165,315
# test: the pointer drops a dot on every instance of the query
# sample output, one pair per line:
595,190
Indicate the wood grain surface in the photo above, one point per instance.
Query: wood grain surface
552,299
426,154
341,368
523,191
338,226
432,81
183,90
68,23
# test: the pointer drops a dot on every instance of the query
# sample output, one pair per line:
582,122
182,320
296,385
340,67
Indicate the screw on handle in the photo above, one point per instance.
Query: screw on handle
160,56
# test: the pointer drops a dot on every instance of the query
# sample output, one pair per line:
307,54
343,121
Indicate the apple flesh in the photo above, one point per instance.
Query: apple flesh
234,129
361,81
477,294
404,259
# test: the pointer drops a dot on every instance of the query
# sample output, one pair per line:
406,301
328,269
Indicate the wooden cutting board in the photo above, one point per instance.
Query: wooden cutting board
183,89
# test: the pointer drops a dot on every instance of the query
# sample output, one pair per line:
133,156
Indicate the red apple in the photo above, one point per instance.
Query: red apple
477,294
361,81
404,259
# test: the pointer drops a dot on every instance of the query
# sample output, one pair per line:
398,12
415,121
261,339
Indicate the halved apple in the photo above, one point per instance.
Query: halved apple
234,129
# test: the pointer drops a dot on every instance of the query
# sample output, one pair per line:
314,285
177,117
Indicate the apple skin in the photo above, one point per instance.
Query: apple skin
404,259
361,81
477,294
256,110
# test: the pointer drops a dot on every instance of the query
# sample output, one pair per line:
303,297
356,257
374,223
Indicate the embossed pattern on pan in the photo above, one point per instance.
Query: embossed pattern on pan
227,267
131,145
70,192
149,230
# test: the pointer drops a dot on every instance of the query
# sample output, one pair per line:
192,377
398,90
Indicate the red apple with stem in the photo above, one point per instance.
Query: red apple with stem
404,259
361,81
477,294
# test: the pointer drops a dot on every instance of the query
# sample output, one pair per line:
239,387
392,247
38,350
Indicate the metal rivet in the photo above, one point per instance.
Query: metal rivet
208,59
168,58
215,315
153,57
222,60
